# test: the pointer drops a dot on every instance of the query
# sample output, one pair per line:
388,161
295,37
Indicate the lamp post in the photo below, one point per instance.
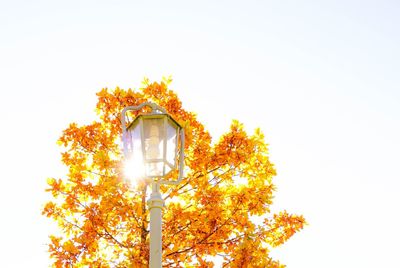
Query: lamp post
153,144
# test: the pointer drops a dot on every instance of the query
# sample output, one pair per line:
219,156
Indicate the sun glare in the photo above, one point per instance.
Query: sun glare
134,170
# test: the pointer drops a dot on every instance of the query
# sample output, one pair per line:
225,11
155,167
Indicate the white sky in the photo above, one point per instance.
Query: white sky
320,79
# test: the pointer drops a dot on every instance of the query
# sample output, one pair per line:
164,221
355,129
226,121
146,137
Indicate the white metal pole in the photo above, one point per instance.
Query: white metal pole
155,204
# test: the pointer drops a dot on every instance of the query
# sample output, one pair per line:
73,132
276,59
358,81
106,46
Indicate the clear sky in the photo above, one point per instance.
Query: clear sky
320,78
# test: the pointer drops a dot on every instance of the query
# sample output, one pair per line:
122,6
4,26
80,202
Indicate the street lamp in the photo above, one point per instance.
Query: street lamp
153,144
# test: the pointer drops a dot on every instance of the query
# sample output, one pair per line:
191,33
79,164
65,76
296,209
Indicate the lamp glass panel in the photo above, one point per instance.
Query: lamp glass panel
135,142
153,131
155,169
134,166
172,134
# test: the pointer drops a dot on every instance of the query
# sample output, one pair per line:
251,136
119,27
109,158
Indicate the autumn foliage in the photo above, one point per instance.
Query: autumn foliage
221,208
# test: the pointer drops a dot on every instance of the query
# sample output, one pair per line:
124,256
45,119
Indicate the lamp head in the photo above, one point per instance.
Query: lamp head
154,145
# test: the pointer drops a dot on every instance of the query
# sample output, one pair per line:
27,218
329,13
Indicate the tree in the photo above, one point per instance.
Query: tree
221,208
